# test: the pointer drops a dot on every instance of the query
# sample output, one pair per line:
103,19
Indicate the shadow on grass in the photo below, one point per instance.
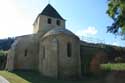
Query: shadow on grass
35,77
32,76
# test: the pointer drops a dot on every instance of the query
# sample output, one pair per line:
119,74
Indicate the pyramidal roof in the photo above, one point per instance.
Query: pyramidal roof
50,11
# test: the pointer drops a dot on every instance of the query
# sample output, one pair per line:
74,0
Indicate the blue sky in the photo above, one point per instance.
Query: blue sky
86,18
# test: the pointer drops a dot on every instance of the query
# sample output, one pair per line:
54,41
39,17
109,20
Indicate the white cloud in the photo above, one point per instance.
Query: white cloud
90,31
115,43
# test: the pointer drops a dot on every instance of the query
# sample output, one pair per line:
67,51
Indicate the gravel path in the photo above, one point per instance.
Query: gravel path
3,80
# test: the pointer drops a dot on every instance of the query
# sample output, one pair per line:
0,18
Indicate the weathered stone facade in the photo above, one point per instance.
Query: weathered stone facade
52,50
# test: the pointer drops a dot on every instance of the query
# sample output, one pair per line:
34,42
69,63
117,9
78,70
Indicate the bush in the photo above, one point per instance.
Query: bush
106,67
113,67
118,59
3,53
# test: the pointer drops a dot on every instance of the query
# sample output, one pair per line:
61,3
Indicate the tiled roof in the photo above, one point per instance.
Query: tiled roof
50,11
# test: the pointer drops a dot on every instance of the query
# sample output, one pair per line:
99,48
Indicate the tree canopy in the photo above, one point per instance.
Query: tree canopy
116,10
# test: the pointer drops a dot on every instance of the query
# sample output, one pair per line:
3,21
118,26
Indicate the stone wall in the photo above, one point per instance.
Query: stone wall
69,65
99,58
41,25
91,57
63,66
24,54
48,62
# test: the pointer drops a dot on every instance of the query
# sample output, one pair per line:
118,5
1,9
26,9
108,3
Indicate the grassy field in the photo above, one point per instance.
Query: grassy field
35,77
113,66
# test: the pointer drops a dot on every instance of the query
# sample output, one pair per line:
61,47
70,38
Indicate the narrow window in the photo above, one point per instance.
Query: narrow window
49,21
58,22
69,50
43,52
25,53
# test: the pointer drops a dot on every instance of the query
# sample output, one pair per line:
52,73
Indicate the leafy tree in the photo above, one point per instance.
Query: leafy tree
116,10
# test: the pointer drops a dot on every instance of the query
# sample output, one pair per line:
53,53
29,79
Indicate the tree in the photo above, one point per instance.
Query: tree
116,10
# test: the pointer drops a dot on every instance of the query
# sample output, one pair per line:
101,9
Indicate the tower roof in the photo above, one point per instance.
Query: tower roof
50,11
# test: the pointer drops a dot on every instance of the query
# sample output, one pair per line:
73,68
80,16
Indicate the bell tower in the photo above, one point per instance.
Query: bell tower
48,19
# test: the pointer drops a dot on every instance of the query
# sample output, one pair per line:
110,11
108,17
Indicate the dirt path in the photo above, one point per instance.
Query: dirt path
3,80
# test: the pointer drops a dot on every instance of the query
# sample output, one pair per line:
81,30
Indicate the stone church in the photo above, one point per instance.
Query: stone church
55,51
52,50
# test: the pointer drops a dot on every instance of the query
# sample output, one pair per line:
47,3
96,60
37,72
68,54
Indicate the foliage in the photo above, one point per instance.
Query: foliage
3,58
116,10
2,53
111,66
119,59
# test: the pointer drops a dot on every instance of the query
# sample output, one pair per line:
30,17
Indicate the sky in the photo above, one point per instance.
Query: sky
86,18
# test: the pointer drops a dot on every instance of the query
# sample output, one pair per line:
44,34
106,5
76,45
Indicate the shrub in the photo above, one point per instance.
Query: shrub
3,53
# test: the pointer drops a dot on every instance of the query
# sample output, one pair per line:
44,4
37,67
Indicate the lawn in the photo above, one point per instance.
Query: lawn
113,66
35,77
12,77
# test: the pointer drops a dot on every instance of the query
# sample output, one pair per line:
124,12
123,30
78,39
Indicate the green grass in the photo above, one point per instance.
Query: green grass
115,66
35,77
12,77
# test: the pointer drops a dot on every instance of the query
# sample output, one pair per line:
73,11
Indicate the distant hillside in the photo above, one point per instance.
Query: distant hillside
5,44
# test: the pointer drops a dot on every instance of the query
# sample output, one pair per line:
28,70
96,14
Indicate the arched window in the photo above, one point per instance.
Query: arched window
25,52
58,22
49,20
69,50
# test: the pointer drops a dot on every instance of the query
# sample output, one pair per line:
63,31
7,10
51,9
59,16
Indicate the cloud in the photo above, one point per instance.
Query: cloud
115,43
90,31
